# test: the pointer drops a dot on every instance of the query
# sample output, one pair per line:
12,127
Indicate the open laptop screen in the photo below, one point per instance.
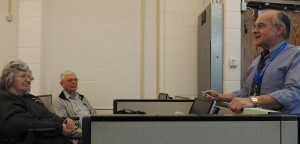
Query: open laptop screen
202,106
163,96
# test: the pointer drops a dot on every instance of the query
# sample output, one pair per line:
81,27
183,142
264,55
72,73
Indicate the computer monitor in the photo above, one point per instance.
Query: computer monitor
203,106
163,96
153,106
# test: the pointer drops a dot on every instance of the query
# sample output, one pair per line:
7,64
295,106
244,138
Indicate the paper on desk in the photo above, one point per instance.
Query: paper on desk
258,111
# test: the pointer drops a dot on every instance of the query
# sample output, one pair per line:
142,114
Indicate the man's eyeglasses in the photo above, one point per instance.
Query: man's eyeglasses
24,76
71,80
258,26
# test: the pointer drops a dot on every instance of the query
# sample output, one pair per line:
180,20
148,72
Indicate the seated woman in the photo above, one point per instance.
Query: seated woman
21,111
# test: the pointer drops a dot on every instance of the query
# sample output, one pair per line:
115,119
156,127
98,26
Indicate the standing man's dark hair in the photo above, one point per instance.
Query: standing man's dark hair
283,19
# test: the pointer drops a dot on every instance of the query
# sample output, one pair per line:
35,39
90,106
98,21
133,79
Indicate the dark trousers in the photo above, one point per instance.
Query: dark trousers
57,139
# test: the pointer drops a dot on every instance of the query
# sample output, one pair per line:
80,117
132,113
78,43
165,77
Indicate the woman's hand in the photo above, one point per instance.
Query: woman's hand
69,123
67,131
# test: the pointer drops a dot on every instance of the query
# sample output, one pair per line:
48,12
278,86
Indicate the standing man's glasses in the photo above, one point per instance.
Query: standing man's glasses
258,26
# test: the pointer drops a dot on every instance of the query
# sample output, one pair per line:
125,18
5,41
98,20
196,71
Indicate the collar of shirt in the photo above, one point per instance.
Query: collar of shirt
273,49
68,96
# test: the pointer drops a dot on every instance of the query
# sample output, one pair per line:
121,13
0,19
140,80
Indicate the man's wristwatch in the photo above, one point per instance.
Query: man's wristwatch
254,100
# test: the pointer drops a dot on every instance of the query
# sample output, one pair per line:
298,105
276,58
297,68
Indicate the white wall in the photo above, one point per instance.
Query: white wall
101,40
30,39
8,32
232,45
179,46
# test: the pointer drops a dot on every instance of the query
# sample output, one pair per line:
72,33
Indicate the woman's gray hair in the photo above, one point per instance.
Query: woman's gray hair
8,72
281,18
63,74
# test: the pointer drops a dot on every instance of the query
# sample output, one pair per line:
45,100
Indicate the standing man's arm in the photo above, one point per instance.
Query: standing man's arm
267,101
211,94
264,101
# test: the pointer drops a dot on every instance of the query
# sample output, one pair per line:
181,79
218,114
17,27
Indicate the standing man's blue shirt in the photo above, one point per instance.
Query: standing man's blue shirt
281,79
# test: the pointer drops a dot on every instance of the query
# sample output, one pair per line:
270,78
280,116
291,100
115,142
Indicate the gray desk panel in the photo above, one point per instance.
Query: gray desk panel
189,129
187,132
289,132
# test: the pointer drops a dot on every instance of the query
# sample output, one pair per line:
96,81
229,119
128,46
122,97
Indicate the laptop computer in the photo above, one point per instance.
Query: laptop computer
164,96
203,106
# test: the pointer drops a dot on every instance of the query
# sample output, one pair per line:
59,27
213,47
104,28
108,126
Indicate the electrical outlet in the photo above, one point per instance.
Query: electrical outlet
232,62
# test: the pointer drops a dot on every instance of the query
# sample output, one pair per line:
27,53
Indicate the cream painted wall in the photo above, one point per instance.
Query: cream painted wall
232,45
179,46
8,32
30,40
101,41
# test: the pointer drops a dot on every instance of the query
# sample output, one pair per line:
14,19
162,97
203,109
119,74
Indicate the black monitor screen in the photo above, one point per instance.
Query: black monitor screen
202,106
163,96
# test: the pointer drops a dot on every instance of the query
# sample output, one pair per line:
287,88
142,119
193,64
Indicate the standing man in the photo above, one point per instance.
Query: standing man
273,78
70,103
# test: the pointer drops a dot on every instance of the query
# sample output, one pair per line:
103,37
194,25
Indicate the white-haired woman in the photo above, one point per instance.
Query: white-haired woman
21,111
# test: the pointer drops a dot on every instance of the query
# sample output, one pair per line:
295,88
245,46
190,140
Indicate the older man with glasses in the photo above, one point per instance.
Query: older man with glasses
274,77
70,103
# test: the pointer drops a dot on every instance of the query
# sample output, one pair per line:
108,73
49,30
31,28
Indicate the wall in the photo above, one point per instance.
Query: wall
99,40
180,39
30,39
120,49
179,46
232,45
8,32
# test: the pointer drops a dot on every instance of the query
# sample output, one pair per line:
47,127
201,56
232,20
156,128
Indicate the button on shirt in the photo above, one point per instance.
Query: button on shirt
281,79
78,106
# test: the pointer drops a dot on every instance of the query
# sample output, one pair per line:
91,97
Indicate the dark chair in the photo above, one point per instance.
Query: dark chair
48,135
45,136
47,100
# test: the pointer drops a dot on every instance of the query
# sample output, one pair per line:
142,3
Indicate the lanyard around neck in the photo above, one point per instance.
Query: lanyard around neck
259,76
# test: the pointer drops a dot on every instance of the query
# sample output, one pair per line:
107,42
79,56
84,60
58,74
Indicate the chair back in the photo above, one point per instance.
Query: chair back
47,100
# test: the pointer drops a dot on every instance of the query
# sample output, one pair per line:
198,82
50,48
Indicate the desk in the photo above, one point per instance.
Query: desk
153,106
190,129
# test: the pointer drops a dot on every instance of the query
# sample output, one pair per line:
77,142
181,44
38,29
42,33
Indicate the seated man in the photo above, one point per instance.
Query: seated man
70,103
21,112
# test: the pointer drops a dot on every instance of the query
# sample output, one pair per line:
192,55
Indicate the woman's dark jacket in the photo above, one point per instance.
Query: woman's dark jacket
18,114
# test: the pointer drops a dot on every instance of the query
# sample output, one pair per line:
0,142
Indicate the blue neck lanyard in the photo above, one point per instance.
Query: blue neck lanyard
259,76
